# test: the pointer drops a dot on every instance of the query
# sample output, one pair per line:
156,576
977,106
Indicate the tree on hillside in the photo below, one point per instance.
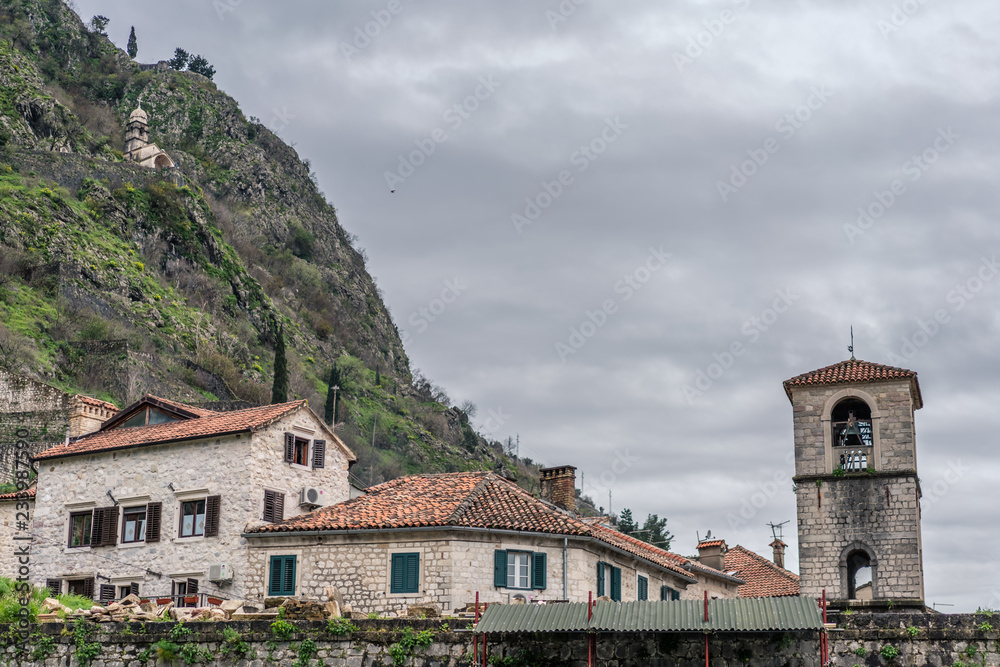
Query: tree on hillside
332,397
654,531
279,391
133,46
626,524
199,65
378,376
99,23
180,59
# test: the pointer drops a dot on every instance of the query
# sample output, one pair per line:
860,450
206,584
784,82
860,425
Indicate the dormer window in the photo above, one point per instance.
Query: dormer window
147,417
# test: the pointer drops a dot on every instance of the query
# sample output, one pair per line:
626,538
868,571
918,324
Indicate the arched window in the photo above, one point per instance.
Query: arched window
853,437
859,576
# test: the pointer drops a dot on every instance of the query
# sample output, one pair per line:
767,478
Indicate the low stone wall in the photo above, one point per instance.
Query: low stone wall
931,640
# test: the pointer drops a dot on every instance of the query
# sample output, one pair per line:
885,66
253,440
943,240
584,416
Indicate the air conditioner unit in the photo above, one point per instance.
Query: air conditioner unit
220,573
311,496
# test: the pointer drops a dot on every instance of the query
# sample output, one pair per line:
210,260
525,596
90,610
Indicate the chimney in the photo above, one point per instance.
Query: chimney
559,486
779,552
87,414
712,552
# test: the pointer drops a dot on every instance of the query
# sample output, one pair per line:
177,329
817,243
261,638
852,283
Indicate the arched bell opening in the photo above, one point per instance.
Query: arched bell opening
853,435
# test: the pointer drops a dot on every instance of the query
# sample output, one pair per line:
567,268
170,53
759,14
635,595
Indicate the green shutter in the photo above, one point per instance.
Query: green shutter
664,594
500,568
643,592
282,579
405,573
538,567
668,593
600,579
616,584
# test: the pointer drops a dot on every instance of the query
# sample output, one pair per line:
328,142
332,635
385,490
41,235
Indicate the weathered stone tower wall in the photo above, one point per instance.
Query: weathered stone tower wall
875,510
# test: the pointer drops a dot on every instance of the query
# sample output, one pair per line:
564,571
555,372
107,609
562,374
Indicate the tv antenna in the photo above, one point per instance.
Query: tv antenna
776,530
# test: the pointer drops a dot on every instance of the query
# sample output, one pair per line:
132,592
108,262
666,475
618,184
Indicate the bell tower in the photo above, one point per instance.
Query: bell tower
856,486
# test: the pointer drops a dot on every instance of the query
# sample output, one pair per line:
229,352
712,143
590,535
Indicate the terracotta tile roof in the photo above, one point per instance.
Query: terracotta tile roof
763,578
468,500
710,543
208,425
96,402
854,371
17,495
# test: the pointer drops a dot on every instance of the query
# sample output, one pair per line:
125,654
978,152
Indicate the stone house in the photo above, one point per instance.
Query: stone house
443,538
762,577
157,500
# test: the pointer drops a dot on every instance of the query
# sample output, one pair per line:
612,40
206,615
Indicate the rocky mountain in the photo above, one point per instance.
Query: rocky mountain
117,280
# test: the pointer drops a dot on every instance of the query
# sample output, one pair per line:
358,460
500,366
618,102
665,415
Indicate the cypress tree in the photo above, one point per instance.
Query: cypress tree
279,391
332,397
378,377
133,47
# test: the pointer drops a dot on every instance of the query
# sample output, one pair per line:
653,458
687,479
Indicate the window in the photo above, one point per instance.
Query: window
134,525
518,569
107,593
54,586
80,524
192,518
185,592
146,416
642,592
523,570
297,451
105,527
83,587
281,580
859,576
274,506
605,571
404,576
668,593
128,589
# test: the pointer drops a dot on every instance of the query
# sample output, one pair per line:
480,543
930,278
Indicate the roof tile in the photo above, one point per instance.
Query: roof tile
853,371
763,578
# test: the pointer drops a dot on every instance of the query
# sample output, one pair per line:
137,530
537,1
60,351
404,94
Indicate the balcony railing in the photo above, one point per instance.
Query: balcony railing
854,459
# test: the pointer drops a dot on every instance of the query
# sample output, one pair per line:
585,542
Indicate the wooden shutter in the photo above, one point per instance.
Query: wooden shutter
616,584
282,577
397,577
643,592
110,526
412,573
54,586
88,588
279,506
133,589
289,447
107,593
97,528
268,505
499,568
154,513
288,576
319,453
192,587
538,567
600,579
213,505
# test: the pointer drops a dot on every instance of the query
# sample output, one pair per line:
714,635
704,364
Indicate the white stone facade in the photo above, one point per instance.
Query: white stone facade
455,564
236,467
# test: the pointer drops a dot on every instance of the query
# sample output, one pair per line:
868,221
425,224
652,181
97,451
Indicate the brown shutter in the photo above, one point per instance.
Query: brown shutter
212,506
289,447
268,506
107,592
319,453
111,526
97,528
154,513
133,589
54,586
279,506
192,587
88,588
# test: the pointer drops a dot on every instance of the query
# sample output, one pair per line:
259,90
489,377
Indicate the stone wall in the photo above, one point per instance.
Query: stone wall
29,410
238,468
454,566
934,641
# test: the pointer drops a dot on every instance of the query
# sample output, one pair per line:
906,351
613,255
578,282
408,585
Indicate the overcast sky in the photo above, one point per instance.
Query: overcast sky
666,172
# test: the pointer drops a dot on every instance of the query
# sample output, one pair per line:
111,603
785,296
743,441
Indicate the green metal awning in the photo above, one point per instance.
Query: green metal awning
784,614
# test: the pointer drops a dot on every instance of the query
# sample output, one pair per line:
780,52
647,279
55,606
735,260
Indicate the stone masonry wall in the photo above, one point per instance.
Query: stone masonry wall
31,410
454,566
919,641
231,467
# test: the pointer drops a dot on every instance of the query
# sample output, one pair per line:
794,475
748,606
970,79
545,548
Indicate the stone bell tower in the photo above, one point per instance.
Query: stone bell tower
857,491
137,146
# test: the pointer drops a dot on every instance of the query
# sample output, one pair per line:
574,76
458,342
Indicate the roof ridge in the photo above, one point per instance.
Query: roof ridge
762,559
469,499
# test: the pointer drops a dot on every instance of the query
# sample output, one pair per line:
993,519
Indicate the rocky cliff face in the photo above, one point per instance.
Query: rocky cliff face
194,270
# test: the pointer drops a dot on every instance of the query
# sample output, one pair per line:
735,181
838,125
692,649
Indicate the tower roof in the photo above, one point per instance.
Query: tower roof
855,371
138,115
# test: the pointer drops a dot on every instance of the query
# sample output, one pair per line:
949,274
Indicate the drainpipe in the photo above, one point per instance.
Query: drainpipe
565,586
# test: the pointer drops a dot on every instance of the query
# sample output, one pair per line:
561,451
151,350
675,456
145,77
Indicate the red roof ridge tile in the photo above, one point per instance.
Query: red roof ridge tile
90,400
854,371
15,495
763,578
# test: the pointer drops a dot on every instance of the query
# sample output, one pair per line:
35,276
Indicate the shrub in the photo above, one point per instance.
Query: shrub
889,652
